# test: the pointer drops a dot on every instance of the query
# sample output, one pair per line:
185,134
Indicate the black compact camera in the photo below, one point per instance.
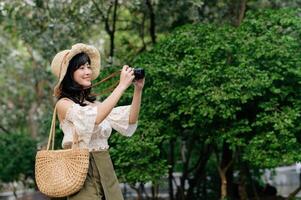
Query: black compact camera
139,73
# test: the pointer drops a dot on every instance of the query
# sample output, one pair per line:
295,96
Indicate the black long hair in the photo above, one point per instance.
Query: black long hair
71,89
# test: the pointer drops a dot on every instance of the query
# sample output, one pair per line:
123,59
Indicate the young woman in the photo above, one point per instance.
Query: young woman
92,121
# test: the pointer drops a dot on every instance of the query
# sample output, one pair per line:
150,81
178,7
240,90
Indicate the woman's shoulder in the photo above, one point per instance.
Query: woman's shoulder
64,102
63,106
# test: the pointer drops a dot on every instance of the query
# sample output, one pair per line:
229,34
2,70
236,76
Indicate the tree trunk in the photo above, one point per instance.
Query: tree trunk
33,126
256,197
227,157
185,161
14,191
204,188
142,34
109,29
152,21
223,184
188,144
181,191
242,183
137,190
199,172
155,191
294,193
142,189
170,170
237,11
111,56
226,163
112,32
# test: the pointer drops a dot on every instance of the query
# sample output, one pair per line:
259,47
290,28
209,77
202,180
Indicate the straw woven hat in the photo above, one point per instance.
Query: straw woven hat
61,61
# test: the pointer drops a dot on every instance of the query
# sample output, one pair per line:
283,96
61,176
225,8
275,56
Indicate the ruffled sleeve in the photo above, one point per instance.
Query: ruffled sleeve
119,120
82,117
67,128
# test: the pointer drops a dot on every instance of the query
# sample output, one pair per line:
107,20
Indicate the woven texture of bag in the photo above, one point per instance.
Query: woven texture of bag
60,173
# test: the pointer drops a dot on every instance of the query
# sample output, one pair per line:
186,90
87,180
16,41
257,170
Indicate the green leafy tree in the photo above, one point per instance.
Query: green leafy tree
226,89
17,153
137,159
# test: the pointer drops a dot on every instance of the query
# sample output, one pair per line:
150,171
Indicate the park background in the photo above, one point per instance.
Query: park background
221,104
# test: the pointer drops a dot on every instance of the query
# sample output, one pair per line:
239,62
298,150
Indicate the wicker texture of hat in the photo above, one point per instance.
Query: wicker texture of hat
60,62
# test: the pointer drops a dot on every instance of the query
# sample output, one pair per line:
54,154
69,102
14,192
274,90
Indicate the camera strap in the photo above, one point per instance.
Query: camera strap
109,89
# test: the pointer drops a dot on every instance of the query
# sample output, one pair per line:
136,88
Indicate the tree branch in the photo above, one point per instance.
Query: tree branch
4,129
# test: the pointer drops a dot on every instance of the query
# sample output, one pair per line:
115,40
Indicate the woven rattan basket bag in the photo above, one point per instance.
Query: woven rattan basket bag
60,173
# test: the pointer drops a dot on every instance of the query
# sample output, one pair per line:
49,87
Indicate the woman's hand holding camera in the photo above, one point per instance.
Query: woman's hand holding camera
126,77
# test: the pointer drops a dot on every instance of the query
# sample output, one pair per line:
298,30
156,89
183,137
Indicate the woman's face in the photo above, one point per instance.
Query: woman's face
83,75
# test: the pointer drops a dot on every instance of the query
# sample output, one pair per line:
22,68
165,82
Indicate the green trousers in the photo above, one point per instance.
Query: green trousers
101,182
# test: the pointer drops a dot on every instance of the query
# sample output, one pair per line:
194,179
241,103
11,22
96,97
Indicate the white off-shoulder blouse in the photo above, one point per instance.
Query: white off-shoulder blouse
81,119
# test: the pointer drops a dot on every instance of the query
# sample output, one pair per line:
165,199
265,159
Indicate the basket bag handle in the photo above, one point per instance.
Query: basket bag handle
52,133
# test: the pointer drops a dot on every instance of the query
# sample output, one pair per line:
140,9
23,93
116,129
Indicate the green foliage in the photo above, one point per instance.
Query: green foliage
275,51
239,85
17,156
137,159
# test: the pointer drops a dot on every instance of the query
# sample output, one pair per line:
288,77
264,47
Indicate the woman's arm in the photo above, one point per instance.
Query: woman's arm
136,102
104,108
